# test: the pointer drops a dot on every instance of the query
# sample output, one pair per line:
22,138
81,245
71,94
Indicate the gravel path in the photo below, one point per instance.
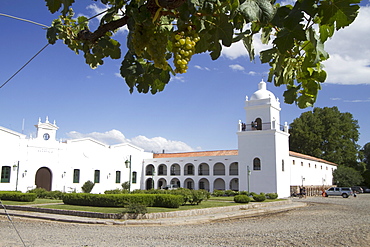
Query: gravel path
332,221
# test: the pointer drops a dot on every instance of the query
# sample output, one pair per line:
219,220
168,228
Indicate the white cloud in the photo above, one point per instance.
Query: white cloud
349,50
201,68
156,144
109,137
177,78
236,67
238,49
253,73
357,101
97,9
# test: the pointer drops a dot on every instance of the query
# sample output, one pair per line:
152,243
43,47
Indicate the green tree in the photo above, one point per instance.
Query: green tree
161,31
365,161
125,185
365,155
328,134
87,186
346,177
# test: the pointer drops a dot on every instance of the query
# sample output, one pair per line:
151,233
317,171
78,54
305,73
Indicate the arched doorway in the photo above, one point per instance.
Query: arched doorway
43,178
149,184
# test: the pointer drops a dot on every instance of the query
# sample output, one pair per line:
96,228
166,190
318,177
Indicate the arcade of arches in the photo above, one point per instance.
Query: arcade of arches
201,176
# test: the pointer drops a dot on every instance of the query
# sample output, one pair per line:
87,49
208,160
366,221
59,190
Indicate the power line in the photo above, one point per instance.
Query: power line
21,19
24,66
11,221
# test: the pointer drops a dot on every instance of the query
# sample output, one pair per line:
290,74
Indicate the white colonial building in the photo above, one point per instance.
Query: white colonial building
262,162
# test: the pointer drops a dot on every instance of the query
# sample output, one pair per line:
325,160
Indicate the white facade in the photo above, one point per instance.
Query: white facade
65,166
262,163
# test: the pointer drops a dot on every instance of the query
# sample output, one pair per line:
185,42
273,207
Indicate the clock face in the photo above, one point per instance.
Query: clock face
46,136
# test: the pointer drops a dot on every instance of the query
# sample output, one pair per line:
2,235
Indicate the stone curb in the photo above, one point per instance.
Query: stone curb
195,216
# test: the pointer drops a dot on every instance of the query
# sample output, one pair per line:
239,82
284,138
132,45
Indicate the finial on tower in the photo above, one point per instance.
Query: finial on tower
262,85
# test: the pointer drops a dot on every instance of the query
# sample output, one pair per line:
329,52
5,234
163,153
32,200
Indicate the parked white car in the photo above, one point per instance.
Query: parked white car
345,192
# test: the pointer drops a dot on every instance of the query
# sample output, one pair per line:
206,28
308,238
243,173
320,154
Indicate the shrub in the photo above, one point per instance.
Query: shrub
244,193
242,199
115,191
17,196
168,201
218,193
136,208
122,200
253,193
125,185
87,186
272,195
259,198
42,193
230,193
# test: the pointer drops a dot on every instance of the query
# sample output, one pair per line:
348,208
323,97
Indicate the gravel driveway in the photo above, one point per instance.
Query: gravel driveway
332,221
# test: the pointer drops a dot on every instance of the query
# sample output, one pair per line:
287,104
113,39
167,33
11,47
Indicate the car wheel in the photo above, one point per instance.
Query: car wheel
345,196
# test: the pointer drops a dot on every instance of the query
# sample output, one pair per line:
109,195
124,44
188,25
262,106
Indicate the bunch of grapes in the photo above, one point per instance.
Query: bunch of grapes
150,42
183,48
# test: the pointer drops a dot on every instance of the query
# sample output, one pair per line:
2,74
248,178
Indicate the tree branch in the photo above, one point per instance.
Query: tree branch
152,5
86,35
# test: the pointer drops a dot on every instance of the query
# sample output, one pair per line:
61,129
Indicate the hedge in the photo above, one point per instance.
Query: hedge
189,196
272,195
259,198
122,200
242,199
17,196
43,193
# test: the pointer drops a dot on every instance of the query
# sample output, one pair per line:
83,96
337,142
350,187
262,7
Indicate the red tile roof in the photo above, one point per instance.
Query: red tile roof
307,157
231,152
196,154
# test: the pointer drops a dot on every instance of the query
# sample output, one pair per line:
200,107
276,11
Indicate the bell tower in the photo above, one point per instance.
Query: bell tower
46,131
263,145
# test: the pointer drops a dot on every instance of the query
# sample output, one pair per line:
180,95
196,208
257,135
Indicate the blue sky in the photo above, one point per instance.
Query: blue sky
198,110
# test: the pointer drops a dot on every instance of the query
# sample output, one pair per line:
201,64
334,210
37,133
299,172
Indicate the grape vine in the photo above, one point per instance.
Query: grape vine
150,42
184,48
161,30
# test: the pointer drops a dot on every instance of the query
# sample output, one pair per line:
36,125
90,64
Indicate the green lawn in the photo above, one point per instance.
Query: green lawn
212,202
37,201
204,204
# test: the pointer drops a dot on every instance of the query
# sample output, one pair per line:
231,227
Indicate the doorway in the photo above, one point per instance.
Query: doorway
43,178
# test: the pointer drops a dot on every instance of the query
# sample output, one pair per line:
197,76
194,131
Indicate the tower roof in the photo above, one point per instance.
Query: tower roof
262,92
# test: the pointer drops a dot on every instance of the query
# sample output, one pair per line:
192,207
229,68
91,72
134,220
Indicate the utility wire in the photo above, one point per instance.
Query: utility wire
10,219
24,66
21,19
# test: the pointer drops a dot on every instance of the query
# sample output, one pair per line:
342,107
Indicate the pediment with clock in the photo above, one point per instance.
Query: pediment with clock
46,131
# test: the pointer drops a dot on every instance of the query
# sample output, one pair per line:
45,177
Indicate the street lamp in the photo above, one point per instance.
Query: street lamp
16,167
128,165
302,180
153,171
249,175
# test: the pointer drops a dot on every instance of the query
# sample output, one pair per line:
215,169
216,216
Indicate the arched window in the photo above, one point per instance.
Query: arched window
5,174
259,123
256,164
76,175
97,176
162,169
189,169
233,169
134,177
